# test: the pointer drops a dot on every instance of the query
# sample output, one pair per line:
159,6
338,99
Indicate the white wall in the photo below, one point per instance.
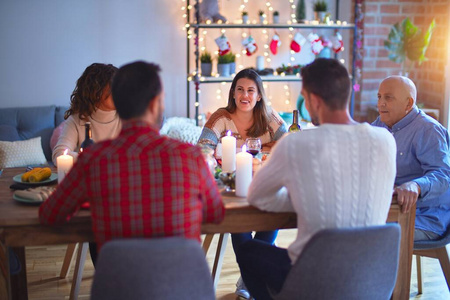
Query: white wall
45,45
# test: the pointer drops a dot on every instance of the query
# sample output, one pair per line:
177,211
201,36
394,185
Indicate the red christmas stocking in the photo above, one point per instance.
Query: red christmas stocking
274,44
297,42
338,44
250,45
223,44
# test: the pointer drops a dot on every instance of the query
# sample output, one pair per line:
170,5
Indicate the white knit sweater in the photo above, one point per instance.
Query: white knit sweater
333,176
104,125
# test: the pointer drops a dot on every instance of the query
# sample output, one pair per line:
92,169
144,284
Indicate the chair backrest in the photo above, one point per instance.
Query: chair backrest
433,244
351,263
160,268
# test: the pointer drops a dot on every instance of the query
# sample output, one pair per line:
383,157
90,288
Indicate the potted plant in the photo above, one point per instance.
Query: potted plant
244,17
206,63
223,65
276,17
300,12
262,16
320,10
407,42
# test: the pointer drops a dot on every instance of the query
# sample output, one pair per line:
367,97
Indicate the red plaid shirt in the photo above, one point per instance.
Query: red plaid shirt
139,185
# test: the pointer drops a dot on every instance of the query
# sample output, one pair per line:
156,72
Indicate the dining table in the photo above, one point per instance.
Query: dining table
20,228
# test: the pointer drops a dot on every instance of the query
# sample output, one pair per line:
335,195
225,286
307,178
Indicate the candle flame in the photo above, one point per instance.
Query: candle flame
244,148
229,133
65,151
81,150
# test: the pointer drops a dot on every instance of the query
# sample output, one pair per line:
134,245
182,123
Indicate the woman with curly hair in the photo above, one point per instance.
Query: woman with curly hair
91,101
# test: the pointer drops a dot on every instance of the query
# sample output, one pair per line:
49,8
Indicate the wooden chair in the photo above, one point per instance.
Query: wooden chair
433,249
220,254
79,266
352,263
82,253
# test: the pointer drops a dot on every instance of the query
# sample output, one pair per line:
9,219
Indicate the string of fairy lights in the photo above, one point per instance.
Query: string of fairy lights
201,39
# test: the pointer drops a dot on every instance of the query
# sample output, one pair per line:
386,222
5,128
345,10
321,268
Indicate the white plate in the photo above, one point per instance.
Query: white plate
53,177
25,200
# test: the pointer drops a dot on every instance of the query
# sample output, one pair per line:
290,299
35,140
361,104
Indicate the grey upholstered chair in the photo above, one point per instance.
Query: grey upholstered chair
358,263
434,249
160,268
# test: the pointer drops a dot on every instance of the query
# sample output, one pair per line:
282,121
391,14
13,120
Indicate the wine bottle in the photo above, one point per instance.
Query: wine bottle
294,126
87,138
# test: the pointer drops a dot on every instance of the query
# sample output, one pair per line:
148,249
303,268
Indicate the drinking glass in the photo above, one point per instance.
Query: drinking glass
253,146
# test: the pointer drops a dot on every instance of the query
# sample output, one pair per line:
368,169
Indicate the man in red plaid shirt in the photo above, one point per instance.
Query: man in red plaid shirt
140,184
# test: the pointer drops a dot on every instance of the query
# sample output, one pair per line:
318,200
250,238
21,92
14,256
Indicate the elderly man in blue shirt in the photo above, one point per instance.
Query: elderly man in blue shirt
423,164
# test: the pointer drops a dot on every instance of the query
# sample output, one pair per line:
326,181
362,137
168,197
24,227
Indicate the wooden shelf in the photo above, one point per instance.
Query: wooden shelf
279,26
267,78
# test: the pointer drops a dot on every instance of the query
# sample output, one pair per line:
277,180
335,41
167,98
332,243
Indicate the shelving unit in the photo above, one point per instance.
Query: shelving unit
193,77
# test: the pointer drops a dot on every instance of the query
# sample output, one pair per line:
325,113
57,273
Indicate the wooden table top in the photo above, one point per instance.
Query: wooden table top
20,227
15,213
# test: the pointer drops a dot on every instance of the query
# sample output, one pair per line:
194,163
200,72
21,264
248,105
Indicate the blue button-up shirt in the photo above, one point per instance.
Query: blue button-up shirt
423,157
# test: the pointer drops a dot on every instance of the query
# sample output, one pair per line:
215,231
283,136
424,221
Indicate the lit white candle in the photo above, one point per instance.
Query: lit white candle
64,163
244,164
228,153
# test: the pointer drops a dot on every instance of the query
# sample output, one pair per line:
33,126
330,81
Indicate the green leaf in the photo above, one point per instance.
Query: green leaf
405,40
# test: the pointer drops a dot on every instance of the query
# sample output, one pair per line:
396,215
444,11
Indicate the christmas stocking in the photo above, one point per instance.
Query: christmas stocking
297,43
338,44
316,43
223,44
250,45
274,44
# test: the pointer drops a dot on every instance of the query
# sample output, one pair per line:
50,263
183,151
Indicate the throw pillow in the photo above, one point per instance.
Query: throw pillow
21,153
182,129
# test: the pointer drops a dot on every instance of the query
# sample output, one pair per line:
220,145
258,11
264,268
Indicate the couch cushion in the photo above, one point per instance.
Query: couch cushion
59,114
55,135
31,122
21,153
9,133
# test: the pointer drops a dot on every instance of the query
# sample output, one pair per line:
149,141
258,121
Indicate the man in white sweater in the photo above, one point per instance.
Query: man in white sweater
340,174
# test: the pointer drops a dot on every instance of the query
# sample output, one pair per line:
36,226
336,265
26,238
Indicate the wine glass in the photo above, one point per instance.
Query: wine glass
253,146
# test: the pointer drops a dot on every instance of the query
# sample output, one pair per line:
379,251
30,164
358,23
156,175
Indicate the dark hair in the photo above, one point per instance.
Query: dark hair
328,79
133,87
260,114
88,92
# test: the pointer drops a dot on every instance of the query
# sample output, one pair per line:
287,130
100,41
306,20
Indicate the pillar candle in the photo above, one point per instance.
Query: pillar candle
228,153
244,163
64,163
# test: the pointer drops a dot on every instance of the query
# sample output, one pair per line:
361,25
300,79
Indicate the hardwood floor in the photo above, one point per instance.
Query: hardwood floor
44,265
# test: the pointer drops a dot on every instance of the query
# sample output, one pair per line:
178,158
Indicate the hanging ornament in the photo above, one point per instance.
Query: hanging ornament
250,45
274,44
338,44
316,43
297,43
223,44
